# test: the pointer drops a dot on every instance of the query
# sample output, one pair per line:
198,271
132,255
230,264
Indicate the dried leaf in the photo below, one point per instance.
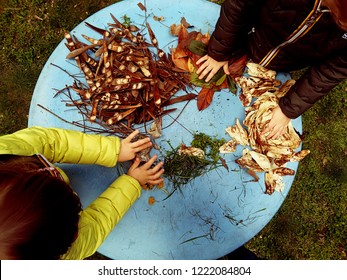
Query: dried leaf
175,29
185,23
160,185
155,130
179,60
191,151
229,147
183,34
257,70
284,171
224,163
141,6
191,66
205,98
253,174
161,18
151,200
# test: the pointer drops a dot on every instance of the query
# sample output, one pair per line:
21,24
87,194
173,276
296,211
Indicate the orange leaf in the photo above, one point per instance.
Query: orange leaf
180,59
178,52
160,185
182,34
181,63
205,98
204,38
151,200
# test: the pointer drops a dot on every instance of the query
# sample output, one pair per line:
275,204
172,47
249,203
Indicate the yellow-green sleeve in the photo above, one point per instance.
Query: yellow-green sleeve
102,215
62,146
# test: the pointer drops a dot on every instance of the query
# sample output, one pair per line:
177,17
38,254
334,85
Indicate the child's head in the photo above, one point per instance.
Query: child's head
39,213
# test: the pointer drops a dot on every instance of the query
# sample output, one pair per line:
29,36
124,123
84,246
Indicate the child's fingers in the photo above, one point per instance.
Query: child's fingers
142,144
149,163
202,59
156,168
155,182
135,164
276,133
273,132
226,69
265,130
132,135
210,76
158,174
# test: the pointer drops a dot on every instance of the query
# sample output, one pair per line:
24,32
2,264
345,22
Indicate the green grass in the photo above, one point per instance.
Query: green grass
311,223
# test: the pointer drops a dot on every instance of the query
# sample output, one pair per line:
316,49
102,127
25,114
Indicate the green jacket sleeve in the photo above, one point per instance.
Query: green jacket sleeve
100,218
62,146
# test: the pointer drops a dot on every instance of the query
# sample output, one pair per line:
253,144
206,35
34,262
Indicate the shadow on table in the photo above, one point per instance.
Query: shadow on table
241,253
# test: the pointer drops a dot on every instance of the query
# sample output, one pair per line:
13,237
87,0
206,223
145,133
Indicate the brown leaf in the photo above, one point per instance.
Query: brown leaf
185,23
180,59
205,98
141,6
181,98
175,29
151,200
224,163
253,174
182,34
161,18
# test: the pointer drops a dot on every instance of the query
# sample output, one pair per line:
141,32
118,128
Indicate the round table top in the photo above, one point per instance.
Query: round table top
214,214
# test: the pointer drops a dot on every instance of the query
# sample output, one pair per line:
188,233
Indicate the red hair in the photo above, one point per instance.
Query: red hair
39,213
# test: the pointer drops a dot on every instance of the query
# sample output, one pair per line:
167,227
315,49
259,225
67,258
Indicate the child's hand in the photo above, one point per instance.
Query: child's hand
278,124
210,67
129,149
144,173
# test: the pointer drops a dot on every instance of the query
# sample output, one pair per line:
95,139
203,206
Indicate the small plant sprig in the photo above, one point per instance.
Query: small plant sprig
181,169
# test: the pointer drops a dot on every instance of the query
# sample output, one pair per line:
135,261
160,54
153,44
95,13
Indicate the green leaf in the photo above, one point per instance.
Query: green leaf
217,76
231,85
198,47
200,83
221,80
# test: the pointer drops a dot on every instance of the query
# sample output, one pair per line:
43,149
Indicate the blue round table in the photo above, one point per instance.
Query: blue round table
212,216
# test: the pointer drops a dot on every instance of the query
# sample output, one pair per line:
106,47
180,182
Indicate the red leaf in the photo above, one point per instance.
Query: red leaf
194,58
237,66
205,98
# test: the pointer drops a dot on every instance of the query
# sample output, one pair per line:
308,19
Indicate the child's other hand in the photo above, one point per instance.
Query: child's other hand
278,124
210,67
129,149
145,173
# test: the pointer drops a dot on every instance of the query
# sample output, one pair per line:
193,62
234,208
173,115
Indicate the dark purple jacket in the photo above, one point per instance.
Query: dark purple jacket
256,27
